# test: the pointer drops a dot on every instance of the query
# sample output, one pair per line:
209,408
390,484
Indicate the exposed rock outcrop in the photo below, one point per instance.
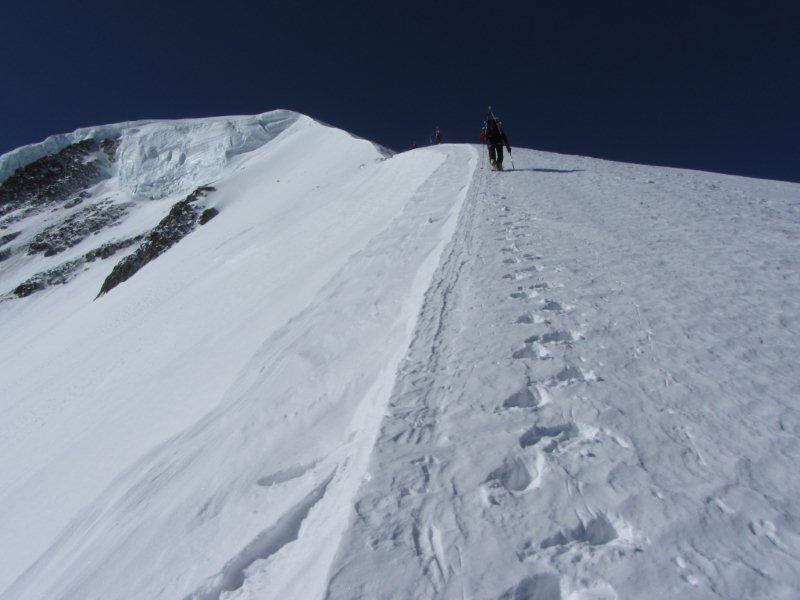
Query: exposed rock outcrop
55,276
8,238
183,218
77,227
55,177
67,271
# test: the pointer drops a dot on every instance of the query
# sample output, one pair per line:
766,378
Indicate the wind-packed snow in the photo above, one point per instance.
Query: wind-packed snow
405,377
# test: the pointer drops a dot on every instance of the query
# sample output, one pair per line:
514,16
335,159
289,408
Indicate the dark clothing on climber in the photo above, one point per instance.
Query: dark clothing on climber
496,156
495,139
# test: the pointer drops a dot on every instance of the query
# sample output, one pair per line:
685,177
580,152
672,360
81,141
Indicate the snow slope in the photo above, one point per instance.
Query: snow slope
601,400
319,258
407,377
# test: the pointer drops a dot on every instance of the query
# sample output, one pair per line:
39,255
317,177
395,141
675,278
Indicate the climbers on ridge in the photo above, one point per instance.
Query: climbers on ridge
495,138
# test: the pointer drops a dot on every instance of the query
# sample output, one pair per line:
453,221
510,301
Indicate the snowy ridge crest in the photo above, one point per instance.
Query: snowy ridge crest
161,157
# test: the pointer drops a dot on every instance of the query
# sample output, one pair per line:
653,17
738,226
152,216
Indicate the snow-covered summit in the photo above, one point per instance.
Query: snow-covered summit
324,372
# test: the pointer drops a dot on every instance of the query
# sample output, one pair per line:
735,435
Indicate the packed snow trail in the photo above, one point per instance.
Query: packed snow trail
600,400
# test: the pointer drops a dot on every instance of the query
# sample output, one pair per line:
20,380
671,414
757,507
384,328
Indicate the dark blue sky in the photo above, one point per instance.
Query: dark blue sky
713,86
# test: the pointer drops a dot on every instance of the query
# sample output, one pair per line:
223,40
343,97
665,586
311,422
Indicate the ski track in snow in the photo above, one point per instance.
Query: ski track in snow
572,381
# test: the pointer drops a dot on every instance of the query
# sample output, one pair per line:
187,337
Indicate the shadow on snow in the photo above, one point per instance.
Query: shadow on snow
549,170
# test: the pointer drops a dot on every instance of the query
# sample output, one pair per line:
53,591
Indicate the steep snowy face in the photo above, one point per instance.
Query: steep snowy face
82,197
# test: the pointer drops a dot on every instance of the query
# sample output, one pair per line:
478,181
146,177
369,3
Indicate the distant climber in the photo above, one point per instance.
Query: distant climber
436,138
495,138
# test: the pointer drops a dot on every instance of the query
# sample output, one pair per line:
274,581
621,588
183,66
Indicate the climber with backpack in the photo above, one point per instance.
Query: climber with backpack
495,138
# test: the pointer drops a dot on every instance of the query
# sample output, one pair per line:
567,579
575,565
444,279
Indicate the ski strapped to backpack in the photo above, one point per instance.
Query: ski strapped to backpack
490,114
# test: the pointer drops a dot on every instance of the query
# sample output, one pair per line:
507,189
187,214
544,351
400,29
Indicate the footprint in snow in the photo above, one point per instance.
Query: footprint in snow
542,586
552,436
596,532
529,318
513,475
553,337
521,273
526,352
553,306
526,397
521,294
532,349
569,374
